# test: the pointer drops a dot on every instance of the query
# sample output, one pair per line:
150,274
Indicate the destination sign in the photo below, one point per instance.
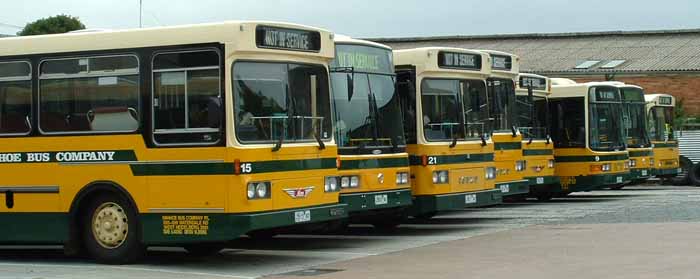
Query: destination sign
535,82
456,60
665,100
632,95
605,95
363,58
501,62
288,39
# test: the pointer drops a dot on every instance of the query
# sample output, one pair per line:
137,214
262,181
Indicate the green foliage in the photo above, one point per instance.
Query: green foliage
680,117
52,25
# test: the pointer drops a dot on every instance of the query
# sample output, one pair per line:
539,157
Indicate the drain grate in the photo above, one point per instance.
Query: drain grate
311,272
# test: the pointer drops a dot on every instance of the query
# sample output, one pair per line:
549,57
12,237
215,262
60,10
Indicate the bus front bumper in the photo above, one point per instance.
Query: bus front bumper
595,182
456,201
514,187
359,203
666,172
172,228
637,175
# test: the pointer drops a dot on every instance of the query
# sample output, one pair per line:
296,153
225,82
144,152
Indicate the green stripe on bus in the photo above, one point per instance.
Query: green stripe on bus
508,145
674,144
182,169
453,159
590,158
223,168
535,152
374,163
292,165
640,153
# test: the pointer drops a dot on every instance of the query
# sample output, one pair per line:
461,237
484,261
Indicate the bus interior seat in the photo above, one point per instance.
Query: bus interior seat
113,119
15,115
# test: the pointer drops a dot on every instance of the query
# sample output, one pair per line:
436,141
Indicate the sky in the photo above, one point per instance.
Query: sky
374,18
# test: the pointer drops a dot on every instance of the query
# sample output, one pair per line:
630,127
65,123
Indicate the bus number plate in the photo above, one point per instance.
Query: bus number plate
381,199
470,199
540,180
505,188
302,216
644,172
619,179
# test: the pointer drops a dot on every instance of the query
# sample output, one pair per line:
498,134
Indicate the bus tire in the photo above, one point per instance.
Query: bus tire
110,230
694,175
544,196
205,249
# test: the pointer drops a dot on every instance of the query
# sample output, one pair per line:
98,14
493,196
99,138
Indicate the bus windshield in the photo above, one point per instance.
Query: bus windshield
605,131
502,103
442,109
368,118
275,102
633,117
531,119
661,123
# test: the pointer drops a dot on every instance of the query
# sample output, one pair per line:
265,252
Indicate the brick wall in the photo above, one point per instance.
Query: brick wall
685,86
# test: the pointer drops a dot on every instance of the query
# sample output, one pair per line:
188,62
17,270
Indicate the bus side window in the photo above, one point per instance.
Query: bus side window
15,98
89,94
186,87
406,88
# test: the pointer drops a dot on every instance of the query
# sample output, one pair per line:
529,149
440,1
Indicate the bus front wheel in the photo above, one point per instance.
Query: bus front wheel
110,230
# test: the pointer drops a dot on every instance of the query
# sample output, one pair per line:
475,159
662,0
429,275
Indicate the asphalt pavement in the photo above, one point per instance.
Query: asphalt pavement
637,232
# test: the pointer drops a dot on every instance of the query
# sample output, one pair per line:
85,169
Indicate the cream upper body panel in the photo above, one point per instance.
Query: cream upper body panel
239,36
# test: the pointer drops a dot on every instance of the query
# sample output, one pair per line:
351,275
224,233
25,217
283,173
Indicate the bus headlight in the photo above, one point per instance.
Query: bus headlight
520,165
354,181
633,163
601,168
607,167
550,163
490,173
258,190
401,178
651,162
344,182
627,164
441,177
330,184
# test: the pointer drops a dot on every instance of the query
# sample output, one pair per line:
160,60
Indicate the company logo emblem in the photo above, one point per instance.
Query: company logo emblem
380,178
299,193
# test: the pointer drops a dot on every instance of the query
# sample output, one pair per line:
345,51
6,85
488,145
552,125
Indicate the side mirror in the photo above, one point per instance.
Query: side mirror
475,101
214,112
351,85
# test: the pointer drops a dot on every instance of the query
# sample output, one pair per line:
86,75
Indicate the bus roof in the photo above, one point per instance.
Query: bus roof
565,88
241,35
342,39
538,91
660,99
425,59
502,71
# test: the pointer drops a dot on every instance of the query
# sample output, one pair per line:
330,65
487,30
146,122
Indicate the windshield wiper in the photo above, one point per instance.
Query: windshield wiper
290,114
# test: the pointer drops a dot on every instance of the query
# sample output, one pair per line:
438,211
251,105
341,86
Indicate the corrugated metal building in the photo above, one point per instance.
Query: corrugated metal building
666,61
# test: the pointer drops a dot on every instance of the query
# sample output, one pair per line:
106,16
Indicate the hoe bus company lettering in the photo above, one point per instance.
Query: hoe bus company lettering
68,156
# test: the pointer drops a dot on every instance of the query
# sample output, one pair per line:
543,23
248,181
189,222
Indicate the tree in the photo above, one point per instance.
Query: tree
52,25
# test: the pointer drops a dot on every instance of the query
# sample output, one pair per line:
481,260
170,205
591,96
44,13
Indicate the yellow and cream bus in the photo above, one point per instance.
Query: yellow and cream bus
508,152
369,133
538,149
636,134
444,100
180,136
589,145
660,117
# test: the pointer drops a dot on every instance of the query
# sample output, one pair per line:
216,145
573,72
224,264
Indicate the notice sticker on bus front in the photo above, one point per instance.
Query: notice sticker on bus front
540,180
469,199
619,179
302,216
